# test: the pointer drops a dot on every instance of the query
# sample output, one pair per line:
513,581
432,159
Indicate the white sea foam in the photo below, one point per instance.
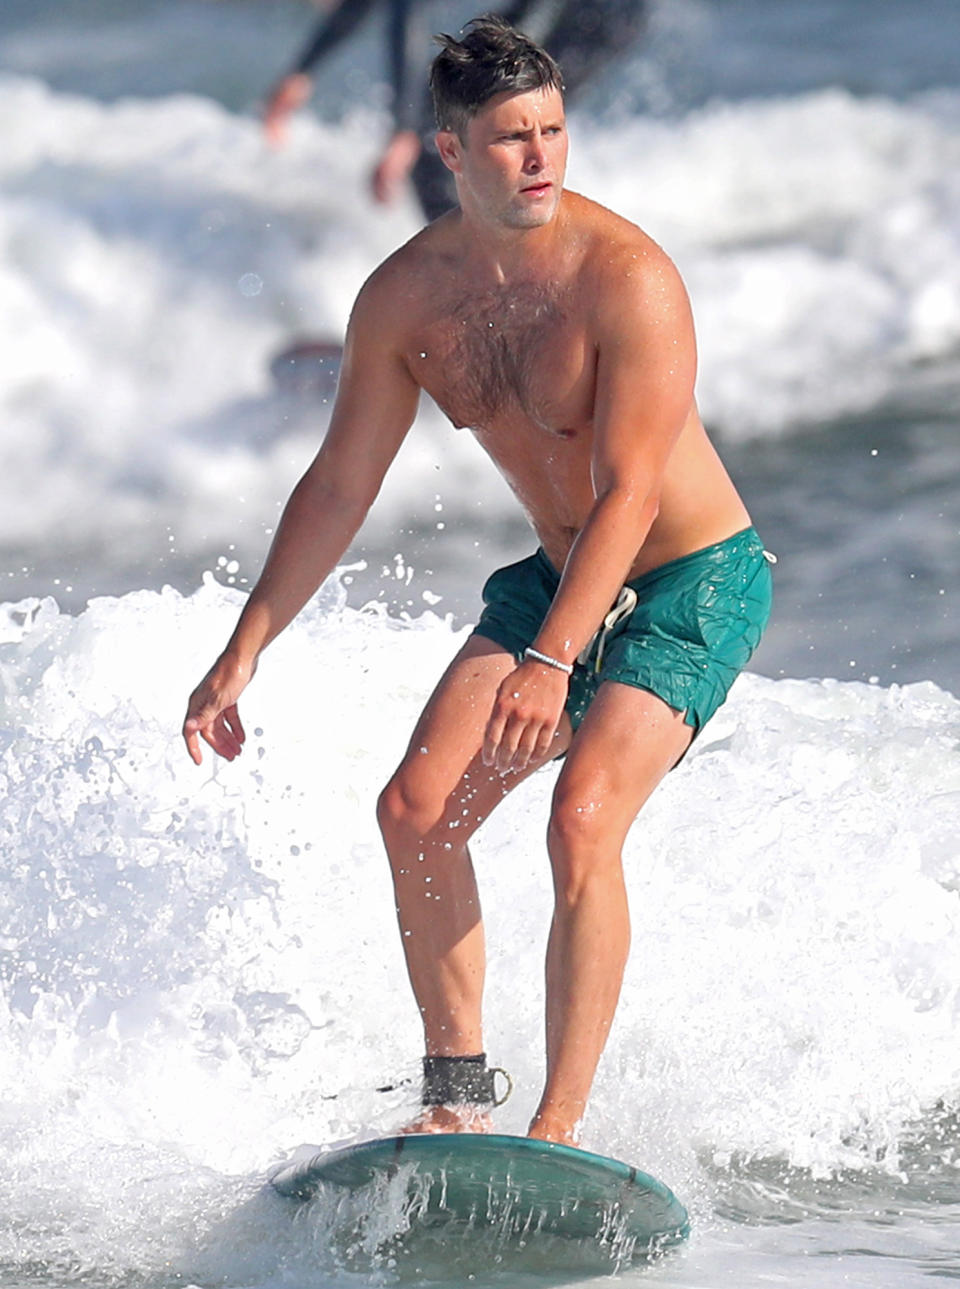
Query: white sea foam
155,254
818,237
201,967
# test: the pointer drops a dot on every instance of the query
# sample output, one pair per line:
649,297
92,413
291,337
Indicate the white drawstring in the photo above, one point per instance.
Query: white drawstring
625,604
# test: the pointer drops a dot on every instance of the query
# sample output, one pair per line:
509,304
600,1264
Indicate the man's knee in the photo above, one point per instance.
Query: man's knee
584,837
575,821
406,808
417,807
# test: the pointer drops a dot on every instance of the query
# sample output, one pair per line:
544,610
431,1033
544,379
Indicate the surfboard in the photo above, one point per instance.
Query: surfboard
308,367
515,1184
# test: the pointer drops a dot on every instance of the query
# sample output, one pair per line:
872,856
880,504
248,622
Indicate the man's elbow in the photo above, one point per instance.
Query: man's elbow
352,504
336,499
638,505
650,507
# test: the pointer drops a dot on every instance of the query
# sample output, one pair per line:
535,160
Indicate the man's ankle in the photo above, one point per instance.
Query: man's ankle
551,1126
450,1118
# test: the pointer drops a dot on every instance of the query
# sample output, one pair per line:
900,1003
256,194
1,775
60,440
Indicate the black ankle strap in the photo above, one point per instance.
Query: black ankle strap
462,1080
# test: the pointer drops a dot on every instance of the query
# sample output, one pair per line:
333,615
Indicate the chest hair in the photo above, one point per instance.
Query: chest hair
498,346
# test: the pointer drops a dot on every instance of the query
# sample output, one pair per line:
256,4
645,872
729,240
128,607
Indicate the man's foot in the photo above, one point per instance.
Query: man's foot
552,1128
449,1118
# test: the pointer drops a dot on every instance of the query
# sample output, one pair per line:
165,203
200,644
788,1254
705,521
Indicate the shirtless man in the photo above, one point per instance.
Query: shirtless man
562,336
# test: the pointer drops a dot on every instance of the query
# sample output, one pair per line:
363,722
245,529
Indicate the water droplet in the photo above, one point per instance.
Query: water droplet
250,284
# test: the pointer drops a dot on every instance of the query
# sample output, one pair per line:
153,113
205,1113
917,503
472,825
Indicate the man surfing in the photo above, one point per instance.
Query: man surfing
561,335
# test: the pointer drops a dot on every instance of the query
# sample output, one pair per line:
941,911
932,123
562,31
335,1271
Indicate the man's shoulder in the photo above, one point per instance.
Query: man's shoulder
614,247
623,271
408,277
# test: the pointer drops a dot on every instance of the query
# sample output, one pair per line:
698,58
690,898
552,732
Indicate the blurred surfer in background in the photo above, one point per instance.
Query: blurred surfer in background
581,35
562,336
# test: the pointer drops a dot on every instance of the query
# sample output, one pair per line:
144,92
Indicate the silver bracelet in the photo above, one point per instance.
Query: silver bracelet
565,667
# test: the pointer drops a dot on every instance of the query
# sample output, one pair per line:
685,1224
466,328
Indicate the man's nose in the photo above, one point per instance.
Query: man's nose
536,157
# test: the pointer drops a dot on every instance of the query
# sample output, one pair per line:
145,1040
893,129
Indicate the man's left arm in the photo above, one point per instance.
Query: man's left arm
646,366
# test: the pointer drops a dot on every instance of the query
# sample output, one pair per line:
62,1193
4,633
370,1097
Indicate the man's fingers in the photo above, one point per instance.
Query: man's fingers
545,740
509,744
530,750
492,736
214,737
233,719
222,738
522,742
228,734
500,741
535,740
221,730
192,729
192,742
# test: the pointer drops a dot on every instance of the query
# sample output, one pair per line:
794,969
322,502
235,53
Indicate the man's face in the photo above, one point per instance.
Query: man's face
511,164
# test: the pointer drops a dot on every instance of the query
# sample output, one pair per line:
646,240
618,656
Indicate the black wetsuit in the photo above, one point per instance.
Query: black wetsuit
406,48
580,34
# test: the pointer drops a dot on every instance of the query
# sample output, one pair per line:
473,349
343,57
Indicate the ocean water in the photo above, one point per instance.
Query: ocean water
199,970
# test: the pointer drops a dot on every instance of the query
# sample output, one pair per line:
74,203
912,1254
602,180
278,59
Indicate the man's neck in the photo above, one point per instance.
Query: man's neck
500,254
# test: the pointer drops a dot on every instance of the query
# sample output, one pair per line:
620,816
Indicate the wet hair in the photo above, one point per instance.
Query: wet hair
490,58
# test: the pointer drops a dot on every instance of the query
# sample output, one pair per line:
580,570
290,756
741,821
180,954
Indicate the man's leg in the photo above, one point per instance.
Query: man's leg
437,799
627,742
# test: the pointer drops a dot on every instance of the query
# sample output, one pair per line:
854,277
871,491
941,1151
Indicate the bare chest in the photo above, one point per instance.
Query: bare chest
508,357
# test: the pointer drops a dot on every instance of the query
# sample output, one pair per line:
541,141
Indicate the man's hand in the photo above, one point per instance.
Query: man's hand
283,100
393,168
526,713
212,711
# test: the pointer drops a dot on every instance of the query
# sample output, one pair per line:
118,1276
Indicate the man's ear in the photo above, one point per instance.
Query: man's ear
450,149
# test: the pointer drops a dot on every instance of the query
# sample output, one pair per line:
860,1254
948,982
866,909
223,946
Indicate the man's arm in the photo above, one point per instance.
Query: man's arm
645,374
295,88
375,407
407,55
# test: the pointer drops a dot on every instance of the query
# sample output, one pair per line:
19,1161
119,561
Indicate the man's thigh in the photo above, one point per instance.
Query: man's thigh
626,743
443,761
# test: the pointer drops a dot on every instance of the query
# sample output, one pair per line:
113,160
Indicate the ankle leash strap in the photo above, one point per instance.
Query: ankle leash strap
462,1080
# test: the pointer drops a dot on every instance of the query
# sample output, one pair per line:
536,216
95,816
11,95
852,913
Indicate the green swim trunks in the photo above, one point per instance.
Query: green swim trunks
684,630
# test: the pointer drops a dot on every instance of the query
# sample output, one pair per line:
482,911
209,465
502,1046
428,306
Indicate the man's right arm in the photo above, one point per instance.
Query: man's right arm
295,88
375,407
